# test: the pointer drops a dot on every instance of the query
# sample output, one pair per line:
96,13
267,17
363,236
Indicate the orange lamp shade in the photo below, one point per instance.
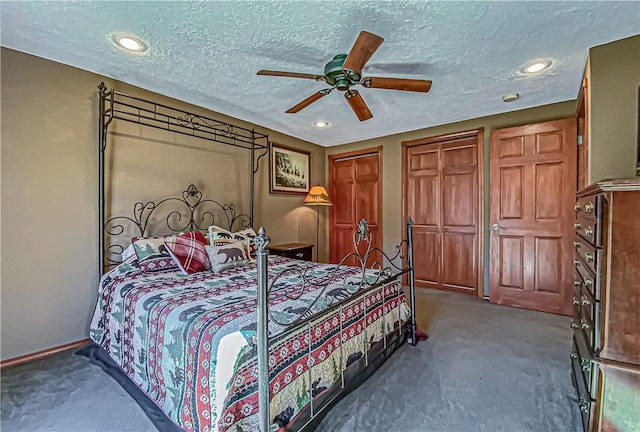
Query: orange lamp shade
318,196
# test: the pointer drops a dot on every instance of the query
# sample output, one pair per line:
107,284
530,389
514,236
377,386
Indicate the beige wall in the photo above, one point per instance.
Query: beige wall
392,159
49,193
614,76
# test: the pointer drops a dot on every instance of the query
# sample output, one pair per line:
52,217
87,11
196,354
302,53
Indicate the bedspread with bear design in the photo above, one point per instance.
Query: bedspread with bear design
188,340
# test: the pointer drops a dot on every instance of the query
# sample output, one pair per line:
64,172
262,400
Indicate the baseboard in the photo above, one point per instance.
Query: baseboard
36,355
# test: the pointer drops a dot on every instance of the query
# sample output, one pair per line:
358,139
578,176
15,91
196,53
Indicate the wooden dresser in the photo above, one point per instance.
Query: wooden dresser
605,356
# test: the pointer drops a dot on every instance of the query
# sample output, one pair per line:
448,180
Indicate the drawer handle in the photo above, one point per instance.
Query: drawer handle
576,301
574,324
577,283
588,231
584,405
588,207
576,226
573,354
576,244
588,282
585,364
585,301
576,262
584,324
299,254
576,207
588,257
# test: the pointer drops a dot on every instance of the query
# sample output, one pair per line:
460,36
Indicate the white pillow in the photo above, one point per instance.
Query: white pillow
227,256
130,251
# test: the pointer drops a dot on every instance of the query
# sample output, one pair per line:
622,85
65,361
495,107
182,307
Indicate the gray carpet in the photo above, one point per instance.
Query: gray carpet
484,368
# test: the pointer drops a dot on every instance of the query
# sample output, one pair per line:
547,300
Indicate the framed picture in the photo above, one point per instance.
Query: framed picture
288,170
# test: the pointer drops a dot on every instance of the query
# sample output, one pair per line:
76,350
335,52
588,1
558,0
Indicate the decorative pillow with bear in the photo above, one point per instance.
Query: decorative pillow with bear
188,250
249,233
220,236
153,255
226,256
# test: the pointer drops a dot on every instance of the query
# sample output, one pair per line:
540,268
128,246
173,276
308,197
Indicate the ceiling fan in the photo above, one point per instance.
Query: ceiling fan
345,71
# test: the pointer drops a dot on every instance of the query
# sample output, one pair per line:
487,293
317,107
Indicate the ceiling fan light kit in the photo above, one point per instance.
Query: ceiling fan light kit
345,71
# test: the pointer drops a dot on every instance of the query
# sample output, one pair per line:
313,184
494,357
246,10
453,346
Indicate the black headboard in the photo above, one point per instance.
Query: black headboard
188,212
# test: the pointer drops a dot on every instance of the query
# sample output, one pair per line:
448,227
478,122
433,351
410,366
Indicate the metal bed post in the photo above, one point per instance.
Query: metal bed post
102,141
261,241
103,127
412,287
253,174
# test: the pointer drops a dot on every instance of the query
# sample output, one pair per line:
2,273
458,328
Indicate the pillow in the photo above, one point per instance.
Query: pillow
220,236
129,251
249,233
188,251
227,256
153,255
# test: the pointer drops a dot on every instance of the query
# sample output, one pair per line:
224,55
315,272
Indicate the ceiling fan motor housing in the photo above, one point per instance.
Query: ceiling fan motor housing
337,77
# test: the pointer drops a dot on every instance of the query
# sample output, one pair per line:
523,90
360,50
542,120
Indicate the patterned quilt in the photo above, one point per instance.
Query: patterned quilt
188,340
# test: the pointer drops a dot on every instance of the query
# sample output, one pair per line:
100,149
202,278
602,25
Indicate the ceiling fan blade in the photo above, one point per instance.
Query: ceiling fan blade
290,74
308,101
412,85
366,44
358,105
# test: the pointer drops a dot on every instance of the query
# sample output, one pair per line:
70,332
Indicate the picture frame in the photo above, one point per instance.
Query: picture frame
289,170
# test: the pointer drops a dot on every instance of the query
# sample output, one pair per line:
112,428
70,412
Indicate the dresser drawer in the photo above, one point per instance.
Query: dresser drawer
589,279
588,253
585,359
577,286
589,207
584,398
588,326
589,230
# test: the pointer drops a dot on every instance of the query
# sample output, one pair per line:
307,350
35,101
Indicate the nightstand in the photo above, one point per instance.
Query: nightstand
300,251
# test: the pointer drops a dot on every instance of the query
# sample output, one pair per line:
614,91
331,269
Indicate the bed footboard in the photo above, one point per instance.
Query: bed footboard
378,274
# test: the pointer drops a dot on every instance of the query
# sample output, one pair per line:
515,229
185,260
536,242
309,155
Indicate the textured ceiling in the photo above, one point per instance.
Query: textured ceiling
208,53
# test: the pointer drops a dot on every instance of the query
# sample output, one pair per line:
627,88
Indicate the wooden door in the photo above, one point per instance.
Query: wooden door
532,187
443,195
355,187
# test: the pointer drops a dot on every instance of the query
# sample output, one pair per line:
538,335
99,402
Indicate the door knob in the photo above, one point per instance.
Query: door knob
497,227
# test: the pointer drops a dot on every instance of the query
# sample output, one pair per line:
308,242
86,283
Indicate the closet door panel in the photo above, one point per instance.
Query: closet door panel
367,200
441,190
458,200
426,245
343,192
459,261
459,215
343,238
423,198
355,187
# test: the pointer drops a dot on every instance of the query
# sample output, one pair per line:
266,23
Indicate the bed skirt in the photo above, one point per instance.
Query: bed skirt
354,375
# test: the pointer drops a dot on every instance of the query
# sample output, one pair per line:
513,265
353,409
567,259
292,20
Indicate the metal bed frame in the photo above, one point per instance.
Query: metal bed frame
114,105
199,214
382,272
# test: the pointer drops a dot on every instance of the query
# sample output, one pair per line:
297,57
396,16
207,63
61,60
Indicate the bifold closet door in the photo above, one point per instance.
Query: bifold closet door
355,187
442,194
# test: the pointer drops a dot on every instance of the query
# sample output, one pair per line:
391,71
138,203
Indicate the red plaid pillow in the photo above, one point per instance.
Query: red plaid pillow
188,250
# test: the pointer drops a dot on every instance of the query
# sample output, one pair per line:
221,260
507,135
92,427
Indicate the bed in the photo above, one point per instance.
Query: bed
270,345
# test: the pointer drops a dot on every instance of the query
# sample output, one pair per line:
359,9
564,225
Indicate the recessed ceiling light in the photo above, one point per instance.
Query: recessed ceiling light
129,42
510,97
537,66
321,123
